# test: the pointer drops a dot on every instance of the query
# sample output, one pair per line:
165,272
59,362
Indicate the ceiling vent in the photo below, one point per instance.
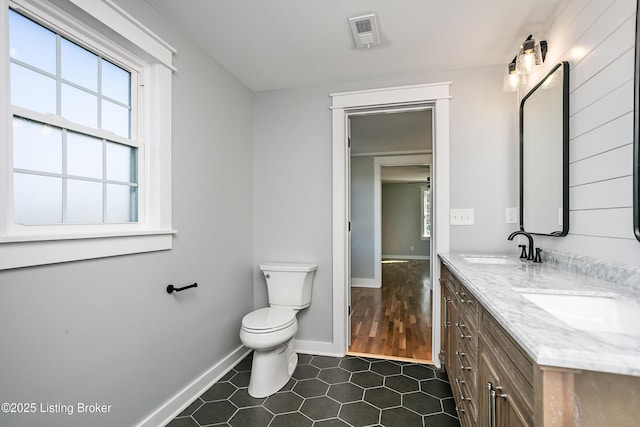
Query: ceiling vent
365,30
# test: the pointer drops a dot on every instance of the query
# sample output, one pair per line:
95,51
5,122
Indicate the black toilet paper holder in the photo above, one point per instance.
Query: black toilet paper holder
171,288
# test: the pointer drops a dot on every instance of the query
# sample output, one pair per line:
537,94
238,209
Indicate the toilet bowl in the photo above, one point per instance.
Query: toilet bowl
270,331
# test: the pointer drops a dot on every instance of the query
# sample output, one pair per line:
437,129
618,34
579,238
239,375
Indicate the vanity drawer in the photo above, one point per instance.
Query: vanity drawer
505,345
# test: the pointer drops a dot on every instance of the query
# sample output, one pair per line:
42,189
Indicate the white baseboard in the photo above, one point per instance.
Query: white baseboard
318,348
423,257
359,282
168,411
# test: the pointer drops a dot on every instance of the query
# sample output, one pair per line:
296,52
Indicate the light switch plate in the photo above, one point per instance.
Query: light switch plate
462,217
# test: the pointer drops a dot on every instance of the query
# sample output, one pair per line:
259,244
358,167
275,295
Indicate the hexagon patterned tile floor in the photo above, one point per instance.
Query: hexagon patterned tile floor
330,391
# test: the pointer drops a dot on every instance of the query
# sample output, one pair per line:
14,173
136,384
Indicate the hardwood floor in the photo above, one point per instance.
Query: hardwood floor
394,321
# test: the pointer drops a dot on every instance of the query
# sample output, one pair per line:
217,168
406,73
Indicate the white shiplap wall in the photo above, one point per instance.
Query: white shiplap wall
597,38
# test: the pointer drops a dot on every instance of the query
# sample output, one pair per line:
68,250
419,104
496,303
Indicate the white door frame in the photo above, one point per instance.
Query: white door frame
436,94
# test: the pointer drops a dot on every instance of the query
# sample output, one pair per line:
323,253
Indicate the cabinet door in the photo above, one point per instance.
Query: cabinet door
497,407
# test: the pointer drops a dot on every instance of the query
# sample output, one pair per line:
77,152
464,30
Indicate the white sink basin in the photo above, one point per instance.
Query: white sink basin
488,259
596,312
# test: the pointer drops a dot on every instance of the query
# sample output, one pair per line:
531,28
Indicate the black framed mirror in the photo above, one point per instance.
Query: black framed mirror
544,155
636,133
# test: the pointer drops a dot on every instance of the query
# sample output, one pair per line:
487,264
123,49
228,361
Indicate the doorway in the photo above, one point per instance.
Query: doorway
390,239
342,104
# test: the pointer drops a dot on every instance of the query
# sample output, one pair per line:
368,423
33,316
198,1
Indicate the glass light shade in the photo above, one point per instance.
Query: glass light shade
512,79
529,57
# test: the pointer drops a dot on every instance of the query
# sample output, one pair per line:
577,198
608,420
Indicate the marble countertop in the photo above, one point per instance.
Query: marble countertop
548,340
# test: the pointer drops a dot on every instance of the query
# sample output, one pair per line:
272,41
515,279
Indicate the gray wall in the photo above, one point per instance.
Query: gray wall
402,220
105,330
362,223
293,175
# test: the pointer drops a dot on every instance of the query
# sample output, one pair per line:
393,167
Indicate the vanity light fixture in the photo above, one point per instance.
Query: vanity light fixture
511,78
529,58
531,55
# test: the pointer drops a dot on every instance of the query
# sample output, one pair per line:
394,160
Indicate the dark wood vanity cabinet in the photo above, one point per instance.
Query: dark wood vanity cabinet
485,367
459,345
496,384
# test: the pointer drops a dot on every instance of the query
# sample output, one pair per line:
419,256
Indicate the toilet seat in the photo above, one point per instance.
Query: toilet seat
268,319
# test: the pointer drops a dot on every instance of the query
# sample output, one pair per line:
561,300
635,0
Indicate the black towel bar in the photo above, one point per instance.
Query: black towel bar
172,288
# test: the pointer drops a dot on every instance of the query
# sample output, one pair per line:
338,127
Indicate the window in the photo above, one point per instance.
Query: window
88,158
62,174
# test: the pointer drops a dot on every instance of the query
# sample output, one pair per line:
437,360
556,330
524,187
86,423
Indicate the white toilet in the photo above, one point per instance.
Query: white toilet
269,331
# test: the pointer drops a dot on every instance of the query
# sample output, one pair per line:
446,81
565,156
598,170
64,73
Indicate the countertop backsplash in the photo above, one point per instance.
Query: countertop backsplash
621,274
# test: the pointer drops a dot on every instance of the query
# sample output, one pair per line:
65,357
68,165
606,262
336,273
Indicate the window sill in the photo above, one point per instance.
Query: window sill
27,251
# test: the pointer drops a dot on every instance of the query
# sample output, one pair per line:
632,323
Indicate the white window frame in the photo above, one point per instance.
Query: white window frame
151,59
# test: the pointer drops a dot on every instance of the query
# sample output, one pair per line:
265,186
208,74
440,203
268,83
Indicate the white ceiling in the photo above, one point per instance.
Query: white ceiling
275,44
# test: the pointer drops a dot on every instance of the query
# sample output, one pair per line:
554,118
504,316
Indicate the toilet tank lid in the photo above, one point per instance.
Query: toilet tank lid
287,266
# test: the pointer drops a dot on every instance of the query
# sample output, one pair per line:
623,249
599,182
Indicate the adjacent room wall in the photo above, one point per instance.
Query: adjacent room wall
362,218
598,38
293,180
105,331
402,221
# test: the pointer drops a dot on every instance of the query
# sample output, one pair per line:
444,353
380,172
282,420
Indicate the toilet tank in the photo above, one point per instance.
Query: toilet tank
288,283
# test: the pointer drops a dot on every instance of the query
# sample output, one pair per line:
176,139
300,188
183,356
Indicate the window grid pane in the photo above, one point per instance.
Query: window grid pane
81,76
64,176
70,183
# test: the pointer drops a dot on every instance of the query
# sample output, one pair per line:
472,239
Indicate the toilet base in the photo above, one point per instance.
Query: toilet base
272,369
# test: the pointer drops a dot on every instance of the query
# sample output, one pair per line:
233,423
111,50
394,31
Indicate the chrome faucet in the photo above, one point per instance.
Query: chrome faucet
530,256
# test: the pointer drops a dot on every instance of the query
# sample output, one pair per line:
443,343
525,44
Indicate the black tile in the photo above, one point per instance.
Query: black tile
330,392
421,403
245,364
304,359
334,422
334,375
191,408
418,372
400,417
441,420
402,383
241,379
214,412
254,417
295,419
385,367
367,379
219,391
228,375
304,372
382,397
242,399
437,388
449,406
354,364
320,408
289,385
310,388
345,392
183,422
282,402
359,414
324,361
